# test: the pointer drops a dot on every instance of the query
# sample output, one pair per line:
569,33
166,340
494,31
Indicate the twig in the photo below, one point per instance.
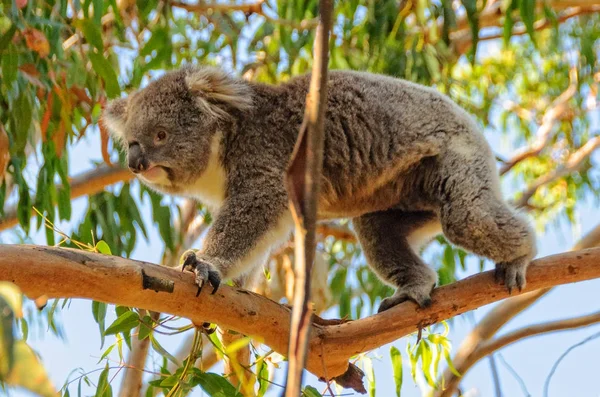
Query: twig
555,366
495,376
303,185
247,9
573,163
554,113
515,374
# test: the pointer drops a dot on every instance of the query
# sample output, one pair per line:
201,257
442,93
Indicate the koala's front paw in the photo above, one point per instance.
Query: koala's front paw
204,270
512,273
418,293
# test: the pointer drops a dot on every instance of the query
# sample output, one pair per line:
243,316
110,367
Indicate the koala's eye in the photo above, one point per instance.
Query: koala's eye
160,136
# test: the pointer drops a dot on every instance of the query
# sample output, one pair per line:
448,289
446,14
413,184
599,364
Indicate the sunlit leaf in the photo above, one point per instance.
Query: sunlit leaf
396,368
103,248
28,373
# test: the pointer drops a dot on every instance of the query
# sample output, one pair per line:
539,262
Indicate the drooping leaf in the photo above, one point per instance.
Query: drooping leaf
125,322
216,385
310,391
105,70
396,368
28,372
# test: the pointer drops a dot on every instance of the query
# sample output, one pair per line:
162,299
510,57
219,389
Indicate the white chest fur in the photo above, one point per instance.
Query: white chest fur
209,189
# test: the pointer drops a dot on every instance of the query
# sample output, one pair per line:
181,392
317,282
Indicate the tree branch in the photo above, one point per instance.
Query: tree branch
488,347
88,183
67,273
554,113
493,15
248,9
303,178
497,318
573,163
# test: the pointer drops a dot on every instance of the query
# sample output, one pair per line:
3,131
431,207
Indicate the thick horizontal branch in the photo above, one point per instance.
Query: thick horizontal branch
67,273
88,183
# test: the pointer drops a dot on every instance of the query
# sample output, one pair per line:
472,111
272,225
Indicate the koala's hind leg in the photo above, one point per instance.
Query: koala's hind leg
387,239
475,217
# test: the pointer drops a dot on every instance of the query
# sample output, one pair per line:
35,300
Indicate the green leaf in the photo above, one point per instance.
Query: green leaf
24,329
396,368
145,328
450,364
126,322
103,389
471,8
216,385
427,359
99,313
106,71
509,21
22,111
103,248
10,63
98,11
91,32
107,352
310,391
163,352
13,297
263,378
370,371
527,10
7,37
157,40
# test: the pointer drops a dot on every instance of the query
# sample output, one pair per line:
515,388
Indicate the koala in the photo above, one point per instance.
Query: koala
402,160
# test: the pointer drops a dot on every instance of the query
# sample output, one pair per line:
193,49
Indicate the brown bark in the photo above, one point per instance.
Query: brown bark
67,273
303,185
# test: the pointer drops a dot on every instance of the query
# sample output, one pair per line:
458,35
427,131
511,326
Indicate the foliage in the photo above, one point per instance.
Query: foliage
60,61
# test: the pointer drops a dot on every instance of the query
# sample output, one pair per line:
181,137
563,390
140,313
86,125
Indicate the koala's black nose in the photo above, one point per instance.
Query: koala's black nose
136,160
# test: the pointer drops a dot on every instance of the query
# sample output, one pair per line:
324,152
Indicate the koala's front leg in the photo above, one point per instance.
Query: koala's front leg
247,227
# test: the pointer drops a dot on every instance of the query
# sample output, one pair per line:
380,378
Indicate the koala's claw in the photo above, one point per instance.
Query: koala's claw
512,274
419,294
204,271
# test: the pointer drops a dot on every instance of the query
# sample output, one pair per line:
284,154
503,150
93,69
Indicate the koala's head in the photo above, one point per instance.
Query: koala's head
167,127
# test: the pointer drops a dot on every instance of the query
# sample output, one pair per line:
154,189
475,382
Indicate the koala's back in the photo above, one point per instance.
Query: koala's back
381,134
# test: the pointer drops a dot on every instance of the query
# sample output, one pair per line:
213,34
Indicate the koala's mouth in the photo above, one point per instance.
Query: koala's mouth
157,174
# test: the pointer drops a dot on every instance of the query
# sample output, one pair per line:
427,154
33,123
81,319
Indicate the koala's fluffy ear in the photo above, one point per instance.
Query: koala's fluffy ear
213,87
114,117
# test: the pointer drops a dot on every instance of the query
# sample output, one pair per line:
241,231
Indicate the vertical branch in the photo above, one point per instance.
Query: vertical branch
303,185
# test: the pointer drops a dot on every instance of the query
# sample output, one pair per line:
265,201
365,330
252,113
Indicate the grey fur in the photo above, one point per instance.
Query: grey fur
401,159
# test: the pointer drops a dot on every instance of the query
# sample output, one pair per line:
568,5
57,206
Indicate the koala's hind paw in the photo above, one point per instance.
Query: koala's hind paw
420,294
512,273
204,270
